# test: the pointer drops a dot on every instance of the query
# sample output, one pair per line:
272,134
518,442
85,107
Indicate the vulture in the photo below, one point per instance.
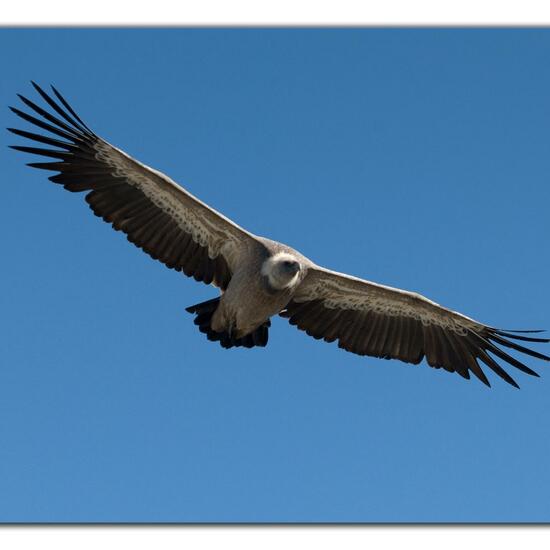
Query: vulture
257,278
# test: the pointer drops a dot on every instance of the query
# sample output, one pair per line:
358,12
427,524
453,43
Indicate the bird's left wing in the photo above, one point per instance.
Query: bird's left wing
371,319
157,215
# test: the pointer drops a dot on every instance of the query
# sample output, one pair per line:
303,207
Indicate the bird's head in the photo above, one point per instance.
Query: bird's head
282,270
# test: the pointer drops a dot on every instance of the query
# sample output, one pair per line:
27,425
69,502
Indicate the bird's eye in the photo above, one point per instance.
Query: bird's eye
288,263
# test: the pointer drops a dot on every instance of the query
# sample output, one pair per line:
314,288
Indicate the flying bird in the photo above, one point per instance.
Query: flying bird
257,278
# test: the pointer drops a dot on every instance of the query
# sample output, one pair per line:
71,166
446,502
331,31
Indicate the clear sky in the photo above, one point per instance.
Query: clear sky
415,158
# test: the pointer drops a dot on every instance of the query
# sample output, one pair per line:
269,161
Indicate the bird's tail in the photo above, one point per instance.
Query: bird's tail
204,312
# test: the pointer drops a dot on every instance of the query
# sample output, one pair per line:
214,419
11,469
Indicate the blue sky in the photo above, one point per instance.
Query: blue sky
414,158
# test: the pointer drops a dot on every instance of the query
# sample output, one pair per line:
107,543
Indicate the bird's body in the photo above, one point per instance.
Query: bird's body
258,278
263,300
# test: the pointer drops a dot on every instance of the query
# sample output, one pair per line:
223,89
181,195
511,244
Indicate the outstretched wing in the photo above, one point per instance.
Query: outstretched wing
156,214
371,319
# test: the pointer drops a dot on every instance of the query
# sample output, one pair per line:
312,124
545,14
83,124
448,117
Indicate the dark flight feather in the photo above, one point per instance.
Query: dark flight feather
111,197
407,339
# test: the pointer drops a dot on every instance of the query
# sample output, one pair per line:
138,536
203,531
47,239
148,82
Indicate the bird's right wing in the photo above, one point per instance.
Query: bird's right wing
156,214
371,319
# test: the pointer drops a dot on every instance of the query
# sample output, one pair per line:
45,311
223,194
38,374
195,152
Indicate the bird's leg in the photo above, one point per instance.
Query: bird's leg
230,328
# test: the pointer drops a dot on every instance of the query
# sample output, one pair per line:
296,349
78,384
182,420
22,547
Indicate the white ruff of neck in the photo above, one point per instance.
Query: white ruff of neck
270,270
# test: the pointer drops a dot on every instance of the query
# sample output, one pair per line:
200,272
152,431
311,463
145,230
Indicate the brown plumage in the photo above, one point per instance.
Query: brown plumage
257,277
